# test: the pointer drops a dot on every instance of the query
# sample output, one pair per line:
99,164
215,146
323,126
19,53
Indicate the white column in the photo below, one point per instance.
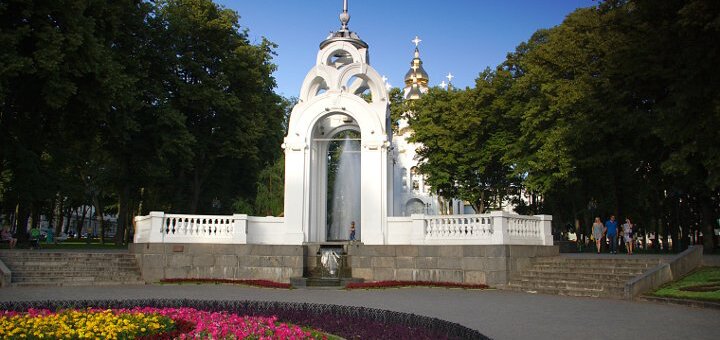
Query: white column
500,226
148,229
372,203
239,229
547,239
296,204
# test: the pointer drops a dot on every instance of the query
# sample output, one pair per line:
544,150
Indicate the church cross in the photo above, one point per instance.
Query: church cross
416,41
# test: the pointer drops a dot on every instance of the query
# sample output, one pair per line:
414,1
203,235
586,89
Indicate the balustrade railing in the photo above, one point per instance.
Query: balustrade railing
493,228
198,226
496,227
524,227
455,227
159,227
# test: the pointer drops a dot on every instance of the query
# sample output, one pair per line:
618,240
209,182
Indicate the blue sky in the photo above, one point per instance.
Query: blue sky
459,36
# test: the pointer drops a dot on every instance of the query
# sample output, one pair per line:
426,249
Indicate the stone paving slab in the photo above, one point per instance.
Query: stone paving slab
497,314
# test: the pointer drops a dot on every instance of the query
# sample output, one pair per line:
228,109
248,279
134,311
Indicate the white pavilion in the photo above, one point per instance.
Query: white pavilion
343,95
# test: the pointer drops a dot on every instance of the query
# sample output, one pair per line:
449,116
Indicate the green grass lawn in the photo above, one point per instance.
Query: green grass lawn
706,277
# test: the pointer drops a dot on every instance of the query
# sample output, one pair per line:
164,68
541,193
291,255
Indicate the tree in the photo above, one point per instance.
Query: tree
463,140
223,86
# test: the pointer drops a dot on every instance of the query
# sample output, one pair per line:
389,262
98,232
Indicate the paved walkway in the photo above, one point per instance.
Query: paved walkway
497,314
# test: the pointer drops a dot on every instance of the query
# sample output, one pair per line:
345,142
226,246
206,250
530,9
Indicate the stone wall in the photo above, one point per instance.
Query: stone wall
676,268
243,261
480,264
486,264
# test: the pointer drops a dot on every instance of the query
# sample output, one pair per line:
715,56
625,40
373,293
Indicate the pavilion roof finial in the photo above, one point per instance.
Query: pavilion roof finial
345,16
344,33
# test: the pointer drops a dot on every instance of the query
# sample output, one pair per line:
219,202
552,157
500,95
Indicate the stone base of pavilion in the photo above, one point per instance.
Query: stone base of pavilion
472,249
473,264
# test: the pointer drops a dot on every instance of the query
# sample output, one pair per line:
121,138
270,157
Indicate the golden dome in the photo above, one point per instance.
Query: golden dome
416,73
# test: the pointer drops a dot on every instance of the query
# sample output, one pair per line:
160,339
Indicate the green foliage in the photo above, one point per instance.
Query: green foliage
463,143
398,107
242,206
616,105
132,106
271,190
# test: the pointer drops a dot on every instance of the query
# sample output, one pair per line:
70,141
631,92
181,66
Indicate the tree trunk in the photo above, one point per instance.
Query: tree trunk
123,204
81,224
196,188
68,213
98,217
708,225
61,217
35,214
21,219
51,215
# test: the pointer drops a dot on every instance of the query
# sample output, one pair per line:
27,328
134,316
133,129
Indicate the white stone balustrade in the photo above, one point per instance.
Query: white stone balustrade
483,229
494,228
159,227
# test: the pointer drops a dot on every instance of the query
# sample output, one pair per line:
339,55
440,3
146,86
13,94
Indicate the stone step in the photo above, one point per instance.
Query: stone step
609,271
53,279
63,269
67,263
570,292
323,282
64,255
591,277
55,266
558,266
598,263
606,289
76,283
594,260
578,266
70,273
563,281
575,276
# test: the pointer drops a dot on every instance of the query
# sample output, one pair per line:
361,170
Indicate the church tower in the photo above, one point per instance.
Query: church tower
416,79
412,196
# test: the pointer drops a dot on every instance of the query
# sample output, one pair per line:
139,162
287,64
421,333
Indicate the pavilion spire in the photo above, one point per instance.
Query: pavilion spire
344,33
345,16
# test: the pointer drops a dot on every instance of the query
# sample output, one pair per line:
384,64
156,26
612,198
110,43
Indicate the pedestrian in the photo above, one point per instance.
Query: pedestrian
611,229
7,236
35,238
352,231
597,233
627,236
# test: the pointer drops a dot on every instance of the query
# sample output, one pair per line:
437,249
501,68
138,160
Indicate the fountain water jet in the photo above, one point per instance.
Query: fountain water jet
346,194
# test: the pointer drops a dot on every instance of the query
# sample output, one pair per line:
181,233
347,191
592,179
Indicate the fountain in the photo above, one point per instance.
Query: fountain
331,266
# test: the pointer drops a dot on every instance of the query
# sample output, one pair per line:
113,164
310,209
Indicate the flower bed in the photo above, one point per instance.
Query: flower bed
256,283
391,284
145,323
348,322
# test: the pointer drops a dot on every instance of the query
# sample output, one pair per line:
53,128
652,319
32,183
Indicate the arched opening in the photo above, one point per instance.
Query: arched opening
360,87
343,185
339,59
415,206
335,177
